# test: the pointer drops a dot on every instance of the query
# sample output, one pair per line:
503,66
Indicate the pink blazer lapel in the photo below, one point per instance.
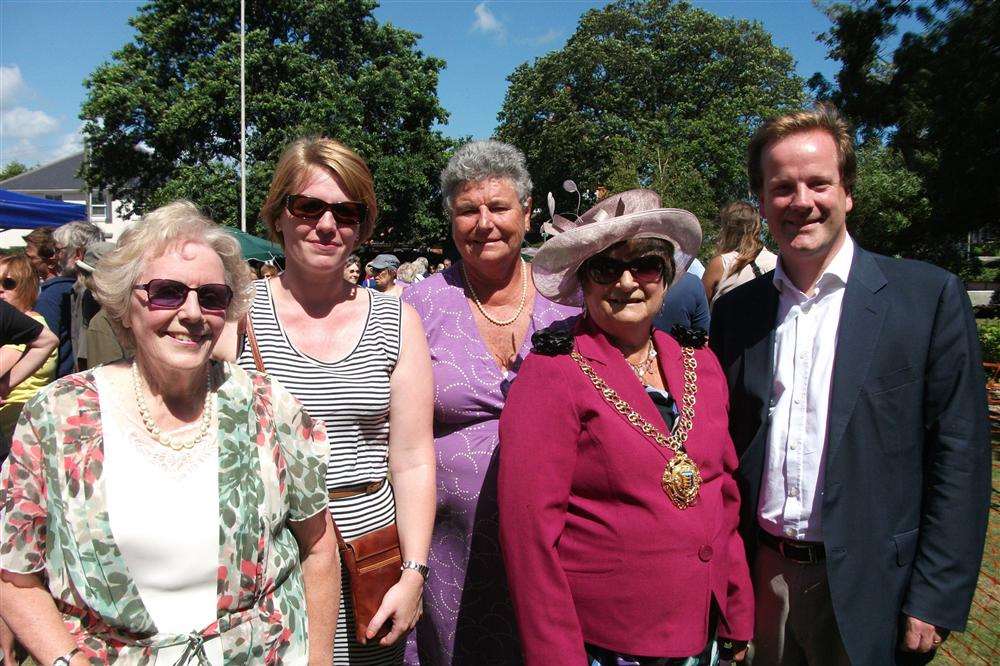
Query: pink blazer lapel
610,365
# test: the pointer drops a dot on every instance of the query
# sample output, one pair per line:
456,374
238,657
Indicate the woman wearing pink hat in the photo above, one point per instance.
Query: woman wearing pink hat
618,506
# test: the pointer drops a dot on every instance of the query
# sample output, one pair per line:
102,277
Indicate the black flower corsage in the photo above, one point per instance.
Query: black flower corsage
552,341
690,337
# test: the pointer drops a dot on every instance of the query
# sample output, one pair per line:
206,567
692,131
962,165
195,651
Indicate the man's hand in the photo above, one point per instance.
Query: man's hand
920,636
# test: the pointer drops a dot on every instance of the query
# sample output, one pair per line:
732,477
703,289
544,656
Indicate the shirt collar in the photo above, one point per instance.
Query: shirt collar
839,269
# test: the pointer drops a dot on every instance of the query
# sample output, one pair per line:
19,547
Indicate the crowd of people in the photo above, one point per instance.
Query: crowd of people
601,456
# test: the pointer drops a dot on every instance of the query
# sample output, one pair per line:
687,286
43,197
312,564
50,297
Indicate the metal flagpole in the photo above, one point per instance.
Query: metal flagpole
243,119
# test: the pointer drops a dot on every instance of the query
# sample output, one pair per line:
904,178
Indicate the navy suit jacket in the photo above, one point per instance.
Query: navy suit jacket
685,304
906,495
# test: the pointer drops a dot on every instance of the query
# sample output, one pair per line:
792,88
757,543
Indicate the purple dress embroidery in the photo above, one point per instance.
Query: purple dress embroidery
468,617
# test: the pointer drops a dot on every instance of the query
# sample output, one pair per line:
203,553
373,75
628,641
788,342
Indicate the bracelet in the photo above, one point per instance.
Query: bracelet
67,658
421,569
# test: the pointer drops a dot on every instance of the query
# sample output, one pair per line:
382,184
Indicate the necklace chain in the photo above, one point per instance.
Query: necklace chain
642,368
681,479
156,432
482,310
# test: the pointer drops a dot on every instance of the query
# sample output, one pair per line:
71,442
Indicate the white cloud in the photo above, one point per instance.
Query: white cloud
71,142
20,122
11,85
545,38
487,23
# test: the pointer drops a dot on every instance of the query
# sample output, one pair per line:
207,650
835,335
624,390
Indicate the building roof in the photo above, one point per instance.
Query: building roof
57,175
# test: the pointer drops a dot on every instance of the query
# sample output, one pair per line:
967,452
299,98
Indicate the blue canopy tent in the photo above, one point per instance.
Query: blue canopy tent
20,211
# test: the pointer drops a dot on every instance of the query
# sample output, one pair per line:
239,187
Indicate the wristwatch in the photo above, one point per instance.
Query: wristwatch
421,569
67,658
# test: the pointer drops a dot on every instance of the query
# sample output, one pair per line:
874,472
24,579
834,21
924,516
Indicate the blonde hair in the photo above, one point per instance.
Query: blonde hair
739,230
824,117
178,222
18,267
322,153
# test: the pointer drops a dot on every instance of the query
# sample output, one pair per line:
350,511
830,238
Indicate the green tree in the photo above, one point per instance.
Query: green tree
11,169
655,94
162,117
934,99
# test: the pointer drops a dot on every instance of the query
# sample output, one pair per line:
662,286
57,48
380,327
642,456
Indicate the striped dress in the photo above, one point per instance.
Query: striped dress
351,396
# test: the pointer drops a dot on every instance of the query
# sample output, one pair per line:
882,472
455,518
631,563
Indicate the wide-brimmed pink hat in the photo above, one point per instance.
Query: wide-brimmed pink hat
631,214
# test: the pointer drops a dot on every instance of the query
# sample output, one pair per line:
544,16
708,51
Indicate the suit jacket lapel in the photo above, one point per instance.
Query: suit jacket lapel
758,361
861,315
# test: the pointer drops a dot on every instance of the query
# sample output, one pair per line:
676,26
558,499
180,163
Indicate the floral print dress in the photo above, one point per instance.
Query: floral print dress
272,464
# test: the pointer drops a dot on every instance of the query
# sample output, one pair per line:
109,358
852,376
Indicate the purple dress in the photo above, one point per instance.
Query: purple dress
468,617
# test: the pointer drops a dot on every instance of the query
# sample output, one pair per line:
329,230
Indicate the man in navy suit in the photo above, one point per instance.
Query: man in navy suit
858,409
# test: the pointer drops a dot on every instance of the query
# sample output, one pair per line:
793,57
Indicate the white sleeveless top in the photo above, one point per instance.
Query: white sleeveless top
765,261
163,507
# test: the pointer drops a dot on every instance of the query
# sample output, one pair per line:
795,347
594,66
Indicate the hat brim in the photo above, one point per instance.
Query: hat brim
554,267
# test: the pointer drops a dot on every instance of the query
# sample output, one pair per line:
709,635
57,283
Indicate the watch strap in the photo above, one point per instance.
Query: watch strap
421,569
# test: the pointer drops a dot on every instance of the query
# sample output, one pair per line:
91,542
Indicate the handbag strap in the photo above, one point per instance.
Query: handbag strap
755,268
258,361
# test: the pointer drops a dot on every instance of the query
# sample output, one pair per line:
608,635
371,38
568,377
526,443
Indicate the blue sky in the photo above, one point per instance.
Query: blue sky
48,47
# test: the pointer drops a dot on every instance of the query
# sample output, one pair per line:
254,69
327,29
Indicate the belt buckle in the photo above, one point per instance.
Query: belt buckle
809,558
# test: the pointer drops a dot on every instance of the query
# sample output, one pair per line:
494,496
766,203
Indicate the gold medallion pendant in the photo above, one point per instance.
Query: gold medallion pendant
681,480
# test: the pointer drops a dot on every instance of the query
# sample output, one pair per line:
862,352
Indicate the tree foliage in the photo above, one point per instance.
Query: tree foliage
655,94
934,100
11,169
162,117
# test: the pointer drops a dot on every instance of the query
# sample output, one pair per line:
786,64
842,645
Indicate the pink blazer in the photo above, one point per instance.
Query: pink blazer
594,550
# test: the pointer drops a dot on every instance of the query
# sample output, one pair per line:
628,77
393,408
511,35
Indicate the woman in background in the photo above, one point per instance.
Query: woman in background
740,253
19,287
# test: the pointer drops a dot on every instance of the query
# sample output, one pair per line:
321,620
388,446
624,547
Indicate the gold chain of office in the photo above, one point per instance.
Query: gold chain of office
681,479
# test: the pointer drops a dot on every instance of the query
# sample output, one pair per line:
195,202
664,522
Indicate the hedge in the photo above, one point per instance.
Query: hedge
989,339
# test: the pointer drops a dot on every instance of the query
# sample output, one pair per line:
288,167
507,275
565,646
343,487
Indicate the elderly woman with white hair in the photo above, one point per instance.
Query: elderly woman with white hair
169,509
479,315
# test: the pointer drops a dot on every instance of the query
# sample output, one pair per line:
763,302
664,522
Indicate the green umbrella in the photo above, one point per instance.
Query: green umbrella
254,247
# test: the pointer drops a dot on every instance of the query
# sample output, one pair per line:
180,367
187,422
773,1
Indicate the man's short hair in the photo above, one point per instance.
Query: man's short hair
77,235
824,117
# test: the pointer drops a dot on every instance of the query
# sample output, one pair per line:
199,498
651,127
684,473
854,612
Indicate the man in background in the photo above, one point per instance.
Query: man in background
56,300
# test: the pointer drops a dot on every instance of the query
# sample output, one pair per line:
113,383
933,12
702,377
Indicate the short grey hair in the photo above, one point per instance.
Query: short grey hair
168,226
481,160
73,237
76,235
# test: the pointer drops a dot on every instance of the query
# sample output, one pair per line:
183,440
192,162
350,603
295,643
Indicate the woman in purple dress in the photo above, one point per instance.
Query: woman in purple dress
479,315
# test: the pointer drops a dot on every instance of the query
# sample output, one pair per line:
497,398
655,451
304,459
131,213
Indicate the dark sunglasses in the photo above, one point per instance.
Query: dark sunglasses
311,209
171,294
606,270
8,283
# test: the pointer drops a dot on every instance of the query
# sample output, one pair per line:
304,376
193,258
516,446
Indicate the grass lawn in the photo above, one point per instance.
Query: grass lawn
980,642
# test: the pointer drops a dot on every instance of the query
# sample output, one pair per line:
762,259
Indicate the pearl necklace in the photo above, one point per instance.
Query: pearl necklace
642,368
155,431
482,310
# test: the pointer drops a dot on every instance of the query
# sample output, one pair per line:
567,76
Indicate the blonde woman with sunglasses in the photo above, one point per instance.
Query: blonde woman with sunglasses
358,360
170,509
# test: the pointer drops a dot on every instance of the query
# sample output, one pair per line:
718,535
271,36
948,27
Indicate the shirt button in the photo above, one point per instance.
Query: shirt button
789,531
803,355
793,446
793,492
797,400
705,553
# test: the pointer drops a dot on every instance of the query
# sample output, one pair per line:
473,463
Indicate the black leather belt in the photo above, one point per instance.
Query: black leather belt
802,552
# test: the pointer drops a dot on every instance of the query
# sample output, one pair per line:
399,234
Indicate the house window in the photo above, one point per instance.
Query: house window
54,197
98,205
